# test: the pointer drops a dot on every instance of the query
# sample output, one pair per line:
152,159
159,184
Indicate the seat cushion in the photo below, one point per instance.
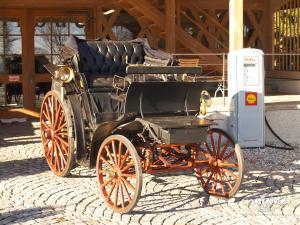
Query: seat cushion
108,58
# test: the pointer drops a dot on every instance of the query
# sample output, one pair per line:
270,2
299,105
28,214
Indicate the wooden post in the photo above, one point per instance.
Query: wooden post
236,24
28,65
170,10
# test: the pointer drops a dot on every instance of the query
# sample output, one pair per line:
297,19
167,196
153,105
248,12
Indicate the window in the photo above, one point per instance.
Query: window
50,34
10,46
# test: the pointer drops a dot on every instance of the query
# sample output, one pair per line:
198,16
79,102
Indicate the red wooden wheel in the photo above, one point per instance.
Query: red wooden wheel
56,134
221,169
119,173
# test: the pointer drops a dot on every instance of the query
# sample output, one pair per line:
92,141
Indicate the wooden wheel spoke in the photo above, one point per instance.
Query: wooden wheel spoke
122,195
221,183
60,127
46,116
47,152
208,179
227,180
219,145
114,152
120,153
57,165
208,148
228,164
127,183
62,134
199,174
52,110
108,181
45,125
116,193
126,190
48,113
230,173
57,112
127,167
109,154
224,149
62,154
104,172
51,153
205,170
107,163
229,155
128,175
111,189
62,141
61,120
124,158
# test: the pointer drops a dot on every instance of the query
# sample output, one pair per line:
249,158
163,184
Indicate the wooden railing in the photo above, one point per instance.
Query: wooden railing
286,42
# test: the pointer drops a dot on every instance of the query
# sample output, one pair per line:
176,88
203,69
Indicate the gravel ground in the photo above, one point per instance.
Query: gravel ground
31,194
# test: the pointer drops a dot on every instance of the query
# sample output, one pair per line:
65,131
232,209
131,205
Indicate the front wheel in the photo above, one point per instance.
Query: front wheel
221,170
119,173
56,133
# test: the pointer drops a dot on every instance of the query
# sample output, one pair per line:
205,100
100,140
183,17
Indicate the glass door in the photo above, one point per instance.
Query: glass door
10,62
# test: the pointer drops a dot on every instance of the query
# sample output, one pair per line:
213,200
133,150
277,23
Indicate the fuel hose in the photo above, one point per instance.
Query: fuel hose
287,145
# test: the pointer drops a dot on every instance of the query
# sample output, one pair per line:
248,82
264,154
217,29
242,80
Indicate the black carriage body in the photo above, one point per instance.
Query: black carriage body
135,100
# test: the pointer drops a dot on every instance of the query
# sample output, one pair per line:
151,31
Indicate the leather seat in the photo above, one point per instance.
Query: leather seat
102,59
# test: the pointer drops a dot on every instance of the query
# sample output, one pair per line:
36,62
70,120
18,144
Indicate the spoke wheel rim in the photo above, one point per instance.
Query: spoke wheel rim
223,174
119,173
55,134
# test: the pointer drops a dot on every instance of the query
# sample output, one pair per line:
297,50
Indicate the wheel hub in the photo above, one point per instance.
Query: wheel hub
213,162
52,133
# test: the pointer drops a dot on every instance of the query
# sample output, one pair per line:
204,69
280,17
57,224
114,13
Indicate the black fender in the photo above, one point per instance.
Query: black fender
103,131
79,131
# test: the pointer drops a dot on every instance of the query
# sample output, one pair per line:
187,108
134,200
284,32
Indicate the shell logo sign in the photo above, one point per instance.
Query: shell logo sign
251,98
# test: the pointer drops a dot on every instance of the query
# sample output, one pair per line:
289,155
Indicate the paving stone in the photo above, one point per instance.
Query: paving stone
31,194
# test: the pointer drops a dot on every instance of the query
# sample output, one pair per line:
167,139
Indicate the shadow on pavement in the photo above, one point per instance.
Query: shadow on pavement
24,167
12,134
25,215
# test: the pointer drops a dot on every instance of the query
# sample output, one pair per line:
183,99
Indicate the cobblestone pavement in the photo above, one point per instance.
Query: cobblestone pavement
31,194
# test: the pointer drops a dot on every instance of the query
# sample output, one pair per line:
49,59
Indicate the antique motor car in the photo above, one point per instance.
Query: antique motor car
127,109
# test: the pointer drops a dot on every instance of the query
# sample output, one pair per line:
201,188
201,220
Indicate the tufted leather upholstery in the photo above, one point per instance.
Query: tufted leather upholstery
108,58
105,58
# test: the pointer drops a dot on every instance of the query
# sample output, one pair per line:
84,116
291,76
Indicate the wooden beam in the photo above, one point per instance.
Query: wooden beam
170,10
18,113
236,24
28,66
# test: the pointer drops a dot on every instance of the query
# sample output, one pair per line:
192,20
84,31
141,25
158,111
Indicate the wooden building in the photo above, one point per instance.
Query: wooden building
31,31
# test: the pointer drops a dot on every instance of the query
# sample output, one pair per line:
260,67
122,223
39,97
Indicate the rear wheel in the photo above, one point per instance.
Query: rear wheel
119,173
56,133
222,167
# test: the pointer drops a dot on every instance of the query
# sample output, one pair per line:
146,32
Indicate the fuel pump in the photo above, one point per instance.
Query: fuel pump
246,97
